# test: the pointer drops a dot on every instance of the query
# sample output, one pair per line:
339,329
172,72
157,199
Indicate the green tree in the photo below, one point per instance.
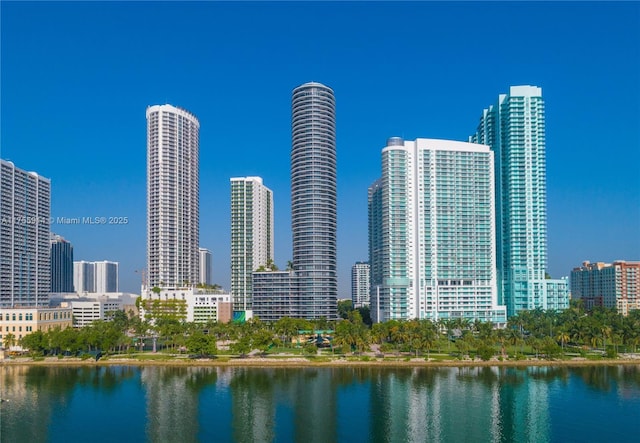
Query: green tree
344,308
35,342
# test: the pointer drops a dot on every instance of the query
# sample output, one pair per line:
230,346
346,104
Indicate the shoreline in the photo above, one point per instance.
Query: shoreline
297,362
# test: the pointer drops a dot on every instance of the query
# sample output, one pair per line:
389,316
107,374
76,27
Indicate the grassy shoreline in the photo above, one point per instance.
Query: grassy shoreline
295,362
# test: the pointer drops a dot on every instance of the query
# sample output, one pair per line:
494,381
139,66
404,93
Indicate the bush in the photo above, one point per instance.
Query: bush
485,352
611,353
310,349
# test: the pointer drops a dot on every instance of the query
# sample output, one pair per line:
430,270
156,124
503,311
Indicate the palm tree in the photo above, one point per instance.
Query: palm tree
514,337
9,340
563,337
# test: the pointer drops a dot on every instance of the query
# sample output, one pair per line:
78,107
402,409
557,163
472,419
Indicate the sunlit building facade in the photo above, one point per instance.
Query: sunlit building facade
172,197
432,233
611,285
251,235
360,284
205,267
514,128
314,199
25,245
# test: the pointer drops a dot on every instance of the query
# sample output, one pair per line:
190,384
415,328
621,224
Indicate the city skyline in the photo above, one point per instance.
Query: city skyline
593,213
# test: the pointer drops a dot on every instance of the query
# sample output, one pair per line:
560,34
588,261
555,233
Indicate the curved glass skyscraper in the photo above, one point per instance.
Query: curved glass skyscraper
313,199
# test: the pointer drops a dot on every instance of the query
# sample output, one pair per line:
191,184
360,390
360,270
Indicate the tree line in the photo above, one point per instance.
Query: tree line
530,333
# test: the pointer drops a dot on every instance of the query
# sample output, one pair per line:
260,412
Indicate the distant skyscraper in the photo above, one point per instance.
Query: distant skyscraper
360,284
61,264
205,267
99,276
313,199
172,197
25,246
514,128
251,235
432,233
106,274
84,277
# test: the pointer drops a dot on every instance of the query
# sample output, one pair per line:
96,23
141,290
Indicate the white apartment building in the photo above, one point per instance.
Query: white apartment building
188,304
25,206
99,276
172,197
251,235
432,233
360,284
205,267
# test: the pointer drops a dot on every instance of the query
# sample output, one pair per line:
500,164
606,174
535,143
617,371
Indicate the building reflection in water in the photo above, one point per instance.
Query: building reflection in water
172,401
459,404
188,404
298,405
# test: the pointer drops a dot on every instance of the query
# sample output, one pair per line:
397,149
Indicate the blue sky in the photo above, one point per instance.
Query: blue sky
76,79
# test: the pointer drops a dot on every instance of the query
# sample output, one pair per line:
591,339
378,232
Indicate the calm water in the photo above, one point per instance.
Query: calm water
164,404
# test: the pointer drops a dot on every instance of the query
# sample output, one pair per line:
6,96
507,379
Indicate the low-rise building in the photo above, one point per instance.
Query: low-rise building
87,310
126,300
275,295
22,321
556,294
611,285
197,305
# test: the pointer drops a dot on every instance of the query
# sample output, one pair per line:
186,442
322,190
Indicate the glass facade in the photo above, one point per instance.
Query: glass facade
432,234
61,265
313,199
251,236
25,244
514,128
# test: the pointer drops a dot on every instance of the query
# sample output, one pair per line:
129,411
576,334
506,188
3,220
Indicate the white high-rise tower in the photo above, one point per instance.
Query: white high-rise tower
25,247
432,233
172,197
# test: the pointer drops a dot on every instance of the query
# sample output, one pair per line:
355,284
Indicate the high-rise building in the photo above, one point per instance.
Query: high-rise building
432,233
25,246
360,284
251,236
106,275
611,285
84,277
313,199
514,128
205,267
99,276
172,197
61,264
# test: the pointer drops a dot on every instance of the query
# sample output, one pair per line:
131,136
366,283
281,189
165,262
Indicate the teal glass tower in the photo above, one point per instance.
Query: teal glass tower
514,128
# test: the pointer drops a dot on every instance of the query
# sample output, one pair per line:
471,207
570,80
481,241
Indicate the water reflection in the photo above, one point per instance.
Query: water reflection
172,401
189,404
